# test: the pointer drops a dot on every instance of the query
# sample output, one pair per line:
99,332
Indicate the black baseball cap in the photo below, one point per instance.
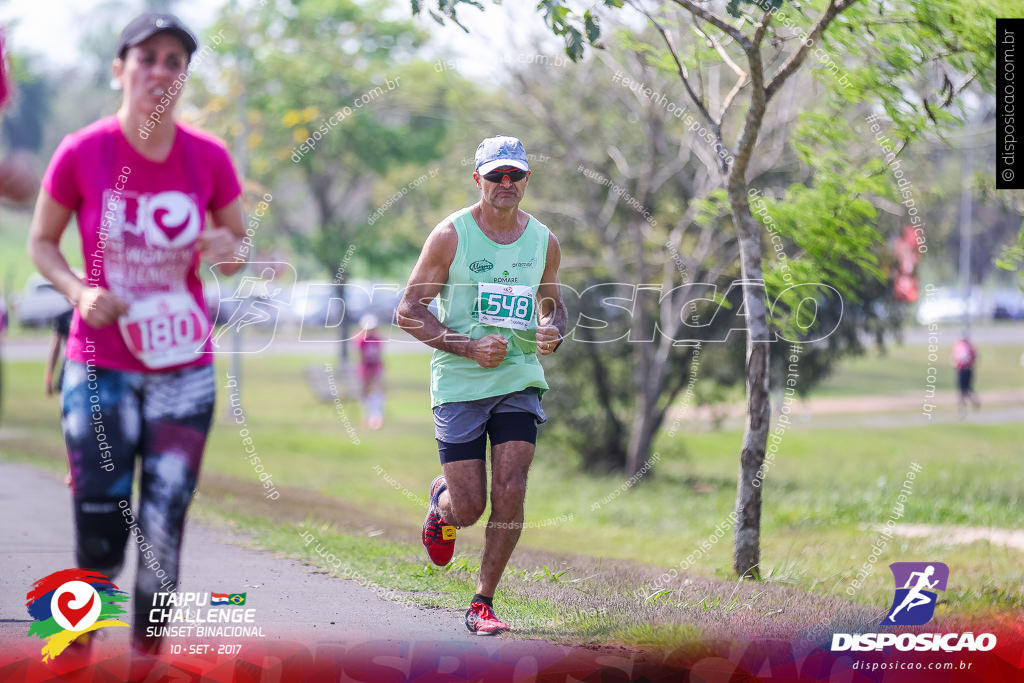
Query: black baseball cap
147,25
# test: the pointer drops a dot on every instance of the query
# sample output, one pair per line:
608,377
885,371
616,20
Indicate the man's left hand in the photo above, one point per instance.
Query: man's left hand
548,338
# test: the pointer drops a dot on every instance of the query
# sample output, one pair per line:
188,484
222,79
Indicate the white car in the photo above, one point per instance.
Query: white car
318,303
948,305
40,303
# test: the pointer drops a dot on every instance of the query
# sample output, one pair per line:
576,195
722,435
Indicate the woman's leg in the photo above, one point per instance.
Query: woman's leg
177,409
101,422
374,397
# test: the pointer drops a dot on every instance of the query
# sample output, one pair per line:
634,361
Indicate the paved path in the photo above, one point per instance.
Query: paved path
291,599
294,603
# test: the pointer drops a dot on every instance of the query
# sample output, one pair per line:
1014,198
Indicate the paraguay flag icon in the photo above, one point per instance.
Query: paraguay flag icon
227,598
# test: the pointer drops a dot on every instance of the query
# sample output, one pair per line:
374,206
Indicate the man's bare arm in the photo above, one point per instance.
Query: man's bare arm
428,277
553,315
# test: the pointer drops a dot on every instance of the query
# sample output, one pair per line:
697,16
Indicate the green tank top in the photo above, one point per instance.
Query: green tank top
490,290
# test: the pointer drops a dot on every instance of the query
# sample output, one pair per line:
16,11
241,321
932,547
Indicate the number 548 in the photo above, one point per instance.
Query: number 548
516,306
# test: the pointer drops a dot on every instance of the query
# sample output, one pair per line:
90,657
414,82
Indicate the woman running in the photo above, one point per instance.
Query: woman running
371,371
139,382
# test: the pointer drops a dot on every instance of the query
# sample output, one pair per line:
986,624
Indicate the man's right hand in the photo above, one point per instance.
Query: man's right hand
98,307
488,351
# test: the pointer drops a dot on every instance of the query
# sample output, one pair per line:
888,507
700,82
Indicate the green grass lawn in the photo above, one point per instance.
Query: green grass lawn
823,494
902,369
15,266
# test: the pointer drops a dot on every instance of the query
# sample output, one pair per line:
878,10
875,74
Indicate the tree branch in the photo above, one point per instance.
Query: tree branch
681,70
751,123
720,49
716,21
727,102
766,19
833,10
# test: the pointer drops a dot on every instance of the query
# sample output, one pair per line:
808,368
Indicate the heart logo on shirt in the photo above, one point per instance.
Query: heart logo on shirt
169,219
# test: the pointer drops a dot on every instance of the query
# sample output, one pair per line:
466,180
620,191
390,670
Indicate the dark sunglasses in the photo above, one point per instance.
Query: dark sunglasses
499,176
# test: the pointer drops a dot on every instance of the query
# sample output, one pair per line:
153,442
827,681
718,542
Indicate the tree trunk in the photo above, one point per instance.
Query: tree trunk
641,435
613,456
747,532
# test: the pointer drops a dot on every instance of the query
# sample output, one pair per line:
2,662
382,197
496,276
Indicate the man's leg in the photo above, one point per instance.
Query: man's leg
510,462
465,497
512,429
457,497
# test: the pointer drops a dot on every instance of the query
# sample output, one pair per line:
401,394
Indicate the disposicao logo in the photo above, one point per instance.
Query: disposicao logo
70,603
914,601
913,604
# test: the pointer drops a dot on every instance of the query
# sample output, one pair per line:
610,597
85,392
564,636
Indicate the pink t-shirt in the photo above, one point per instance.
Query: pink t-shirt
963,354
139,220
369,346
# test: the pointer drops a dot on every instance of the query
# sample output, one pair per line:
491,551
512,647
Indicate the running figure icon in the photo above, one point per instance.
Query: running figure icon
916,598
256,303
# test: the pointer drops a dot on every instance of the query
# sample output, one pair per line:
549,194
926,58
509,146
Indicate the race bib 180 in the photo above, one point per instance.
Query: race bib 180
164,330
510,306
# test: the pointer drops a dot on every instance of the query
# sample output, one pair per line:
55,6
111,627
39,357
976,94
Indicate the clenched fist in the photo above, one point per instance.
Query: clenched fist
217,245
548,337
98,307
488,351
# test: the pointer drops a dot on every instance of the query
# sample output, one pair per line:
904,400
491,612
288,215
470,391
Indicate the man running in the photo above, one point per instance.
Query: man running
494,271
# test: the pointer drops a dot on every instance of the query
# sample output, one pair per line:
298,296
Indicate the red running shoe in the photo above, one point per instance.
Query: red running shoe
438,536
480,620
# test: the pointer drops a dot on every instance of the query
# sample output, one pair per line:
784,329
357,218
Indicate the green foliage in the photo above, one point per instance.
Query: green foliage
734,7
26,117
339,103
1012,258
446,9
821,196
563,22
595,424
914,58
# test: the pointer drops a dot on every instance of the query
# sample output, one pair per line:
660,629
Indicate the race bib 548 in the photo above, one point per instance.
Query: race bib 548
510,306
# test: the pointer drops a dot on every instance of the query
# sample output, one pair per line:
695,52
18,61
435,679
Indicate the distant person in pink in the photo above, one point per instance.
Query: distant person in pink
371,371
138,383
964,357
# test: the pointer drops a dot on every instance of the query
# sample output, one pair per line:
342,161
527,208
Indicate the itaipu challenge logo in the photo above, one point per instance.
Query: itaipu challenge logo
70,603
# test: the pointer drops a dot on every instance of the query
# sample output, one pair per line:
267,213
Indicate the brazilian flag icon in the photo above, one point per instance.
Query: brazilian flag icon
236,598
